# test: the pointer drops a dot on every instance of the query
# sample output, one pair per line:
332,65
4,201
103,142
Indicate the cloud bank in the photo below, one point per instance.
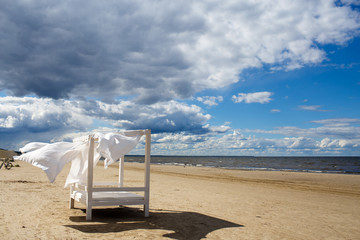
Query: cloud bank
158,50
33,119
333,137
22,118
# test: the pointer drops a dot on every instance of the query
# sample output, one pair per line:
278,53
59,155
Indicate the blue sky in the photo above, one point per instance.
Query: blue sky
209,78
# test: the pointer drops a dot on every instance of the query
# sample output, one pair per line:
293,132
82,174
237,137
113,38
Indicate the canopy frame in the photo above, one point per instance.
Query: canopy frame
113,194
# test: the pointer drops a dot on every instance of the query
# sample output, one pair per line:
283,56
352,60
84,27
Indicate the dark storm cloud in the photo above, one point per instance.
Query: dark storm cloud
68,48
46,118
158,50
161,117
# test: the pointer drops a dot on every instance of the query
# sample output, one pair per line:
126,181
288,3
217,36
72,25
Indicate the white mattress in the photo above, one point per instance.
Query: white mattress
110,198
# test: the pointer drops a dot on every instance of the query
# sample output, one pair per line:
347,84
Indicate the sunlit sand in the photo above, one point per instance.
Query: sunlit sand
187,203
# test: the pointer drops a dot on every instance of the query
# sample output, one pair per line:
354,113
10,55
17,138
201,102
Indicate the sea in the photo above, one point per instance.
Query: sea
343,165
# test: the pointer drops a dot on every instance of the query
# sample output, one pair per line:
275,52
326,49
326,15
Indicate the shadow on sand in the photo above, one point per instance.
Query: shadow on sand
185,225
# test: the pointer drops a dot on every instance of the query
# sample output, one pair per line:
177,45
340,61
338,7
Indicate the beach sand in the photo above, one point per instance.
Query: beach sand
186,203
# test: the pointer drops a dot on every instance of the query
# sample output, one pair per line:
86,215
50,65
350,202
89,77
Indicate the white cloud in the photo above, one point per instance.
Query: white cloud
315,108
336,137
45,119
169,116
257,97
220,129
275,110
338,122
349,2
40,115
157,51
236,143
210,100
185,128
339,128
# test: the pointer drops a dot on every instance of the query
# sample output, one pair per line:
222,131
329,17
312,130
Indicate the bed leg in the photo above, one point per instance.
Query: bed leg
71,205
72,200
146,210
88,213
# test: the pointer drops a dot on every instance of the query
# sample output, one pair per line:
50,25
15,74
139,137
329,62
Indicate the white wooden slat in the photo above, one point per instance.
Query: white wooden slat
133,133
112,184
119,189
119,202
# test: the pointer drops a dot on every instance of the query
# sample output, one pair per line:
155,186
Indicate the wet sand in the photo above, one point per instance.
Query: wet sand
186,203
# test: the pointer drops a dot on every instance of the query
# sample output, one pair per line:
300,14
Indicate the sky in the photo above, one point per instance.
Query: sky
249,77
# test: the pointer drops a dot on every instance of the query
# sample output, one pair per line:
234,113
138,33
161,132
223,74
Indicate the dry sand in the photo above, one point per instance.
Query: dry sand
187,203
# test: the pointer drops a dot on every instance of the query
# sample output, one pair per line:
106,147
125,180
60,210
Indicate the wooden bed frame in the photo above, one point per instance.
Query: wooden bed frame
113,193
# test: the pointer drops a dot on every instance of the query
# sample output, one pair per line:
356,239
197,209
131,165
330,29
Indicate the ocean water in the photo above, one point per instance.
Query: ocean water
349,165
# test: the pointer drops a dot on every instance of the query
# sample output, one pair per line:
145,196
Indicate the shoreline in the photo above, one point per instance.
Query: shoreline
187,203
342,165
256,169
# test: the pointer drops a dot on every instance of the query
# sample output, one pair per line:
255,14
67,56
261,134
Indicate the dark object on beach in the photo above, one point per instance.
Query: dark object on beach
7,163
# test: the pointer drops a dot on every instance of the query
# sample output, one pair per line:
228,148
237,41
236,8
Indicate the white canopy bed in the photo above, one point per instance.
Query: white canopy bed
84,153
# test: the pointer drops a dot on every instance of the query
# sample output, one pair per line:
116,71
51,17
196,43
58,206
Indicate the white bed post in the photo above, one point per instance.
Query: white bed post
121,171
147,171
72,200
90,179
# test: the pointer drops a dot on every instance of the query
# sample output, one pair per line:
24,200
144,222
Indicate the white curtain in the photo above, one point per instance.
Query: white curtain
52,157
